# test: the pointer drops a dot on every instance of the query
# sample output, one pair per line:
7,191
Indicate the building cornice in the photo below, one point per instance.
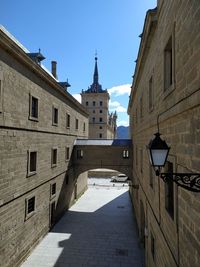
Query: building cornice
149,24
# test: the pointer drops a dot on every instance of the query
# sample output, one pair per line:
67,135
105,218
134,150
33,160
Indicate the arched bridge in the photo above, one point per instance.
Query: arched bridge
115,154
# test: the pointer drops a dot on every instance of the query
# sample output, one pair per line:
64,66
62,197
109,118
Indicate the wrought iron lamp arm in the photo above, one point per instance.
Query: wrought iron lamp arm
189,181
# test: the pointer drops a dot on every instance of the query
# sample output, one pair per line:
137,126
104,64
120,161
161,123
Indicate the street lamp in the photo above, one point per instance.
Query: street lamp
158,151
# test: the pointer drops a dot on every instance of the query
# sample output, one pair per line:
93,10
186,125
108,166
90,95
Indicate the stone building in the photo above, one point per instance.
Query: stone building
96,100
166,89
39,122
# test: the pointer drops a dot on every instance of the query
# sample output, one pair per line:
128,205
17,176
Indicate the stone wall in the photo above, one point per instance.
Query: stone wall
169,240
21,78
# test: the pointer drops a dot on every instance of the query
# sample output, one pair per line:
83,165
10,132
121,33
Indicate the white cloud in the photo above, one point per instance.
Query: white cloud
120,109
123,123
116,106
77,97
120,89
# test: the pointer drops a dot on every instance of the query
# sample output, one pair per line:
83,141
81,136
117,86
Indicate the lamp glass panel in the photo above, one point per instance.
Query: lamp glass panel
159,156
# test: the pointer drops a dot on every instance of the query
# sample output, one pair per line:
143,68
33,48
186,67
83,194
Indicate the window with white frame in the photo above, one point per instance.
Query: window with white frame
125,154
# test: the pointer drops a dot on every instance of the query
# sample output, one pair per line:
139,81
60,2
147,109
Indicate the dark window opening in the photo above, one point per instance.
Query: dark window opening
53,189
100,135
100,111
101,103
68,121
33,161
86,103
67,153
79,154
76,124
100,119
31,205
34,107
55,116
54,156
94,103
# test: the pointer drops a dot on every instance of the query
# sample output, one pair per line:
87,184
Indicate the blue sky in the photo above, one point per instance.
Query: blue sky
69,31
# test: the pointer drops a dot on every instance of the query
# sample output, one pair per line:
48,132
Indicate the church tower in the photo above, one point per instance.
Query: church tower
102,125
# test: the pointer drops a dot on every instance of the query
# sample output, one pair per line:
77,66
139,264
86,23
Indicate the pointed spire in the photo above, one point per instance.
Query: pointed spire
96,75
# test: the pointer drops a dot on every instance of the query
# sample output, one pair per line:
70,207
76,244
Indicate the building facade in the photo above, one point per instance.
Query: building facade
39,122
102,124
166,94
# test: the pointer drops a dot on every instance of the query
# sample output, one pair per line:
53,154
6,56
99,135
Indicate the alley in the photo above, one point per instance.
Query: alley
99,230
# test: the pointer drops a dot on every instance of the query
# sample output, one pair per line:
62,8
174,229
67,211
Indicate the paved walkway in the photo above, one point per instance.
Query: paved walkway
99,230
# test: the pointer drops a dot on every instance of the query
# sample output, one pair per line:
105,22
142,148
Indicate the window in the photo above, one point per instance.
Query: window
84,126
168,64
76,124
55,116
94,103
30,207
54,157
79,154
100,111
93,120
32,162
67,153
100,127
86,103
33,108
93,111
67,120
100,135
169,190
152,246
100,119
151,94
125,154
101,103
53,189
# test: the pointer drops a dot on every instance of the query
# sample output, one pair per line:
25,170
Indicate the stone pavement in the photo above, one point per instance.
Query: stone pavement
99,230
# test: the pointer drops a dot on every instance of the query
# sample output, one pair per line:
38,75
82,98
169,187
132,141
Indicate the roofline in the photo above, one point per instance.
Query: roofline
11,45
150,18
